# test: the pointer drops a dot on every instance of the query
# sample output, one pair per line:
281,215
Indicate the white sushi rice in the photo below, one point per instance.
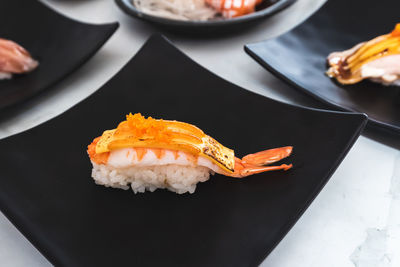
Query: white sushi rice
176,178
177,172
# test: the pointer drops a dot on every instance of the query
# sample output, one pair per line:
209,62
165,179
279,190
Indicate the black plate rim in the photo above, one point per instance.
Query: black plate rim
373,122
285,229
114,23
131,10
108,29
158,35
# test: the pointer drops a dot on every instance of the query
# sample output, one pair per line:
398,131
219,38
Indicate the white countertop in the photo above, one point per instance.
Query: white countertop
354,221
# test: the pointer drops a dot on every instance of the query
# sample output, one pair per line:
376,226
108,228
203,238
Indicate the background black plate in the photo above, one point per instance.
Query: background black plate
47,192
299,57
60,44
273,7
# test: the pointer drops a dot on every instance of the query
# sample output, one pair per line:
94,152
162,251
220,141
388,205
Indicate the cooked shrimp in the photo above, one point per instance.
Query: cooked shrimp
142,157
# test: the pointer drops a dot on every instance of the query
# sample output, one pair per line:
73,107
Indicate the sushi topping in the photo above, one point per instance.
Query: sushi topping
14,59
377,59
159,135
140,132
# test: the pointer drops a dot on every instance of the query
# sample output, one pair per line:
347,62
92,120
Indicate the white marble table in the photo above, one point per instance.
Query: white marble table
355,220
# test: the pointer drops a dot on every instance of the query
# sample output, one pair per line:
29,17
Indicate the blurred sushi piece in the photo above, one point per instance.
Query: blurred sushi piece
14,59
377,59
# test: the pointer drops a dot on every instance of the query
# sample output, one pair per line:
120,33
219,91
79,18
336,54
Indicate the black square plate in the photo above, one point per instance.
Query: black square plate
47,192
299,57
60,45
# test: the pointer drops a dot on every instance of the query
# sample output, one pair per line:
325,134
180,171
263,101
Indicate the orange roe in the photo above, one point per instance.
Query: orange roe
138,126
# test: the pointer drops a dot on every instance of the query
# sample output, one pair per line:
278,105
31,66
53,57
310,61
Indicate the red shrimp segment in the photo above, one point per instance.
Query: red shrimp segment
234,8
267,156
254,163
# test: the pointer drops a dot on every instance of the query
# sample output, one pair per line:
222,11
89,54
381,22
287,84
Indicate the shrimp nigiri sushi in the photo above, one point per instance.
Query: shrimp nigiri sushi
14,59
377,60
147,154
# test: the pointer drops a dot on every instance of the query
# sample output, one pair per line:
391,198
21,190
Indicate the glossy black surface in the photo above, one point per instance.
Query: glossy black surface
60,45
46,189
270,8
299,57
